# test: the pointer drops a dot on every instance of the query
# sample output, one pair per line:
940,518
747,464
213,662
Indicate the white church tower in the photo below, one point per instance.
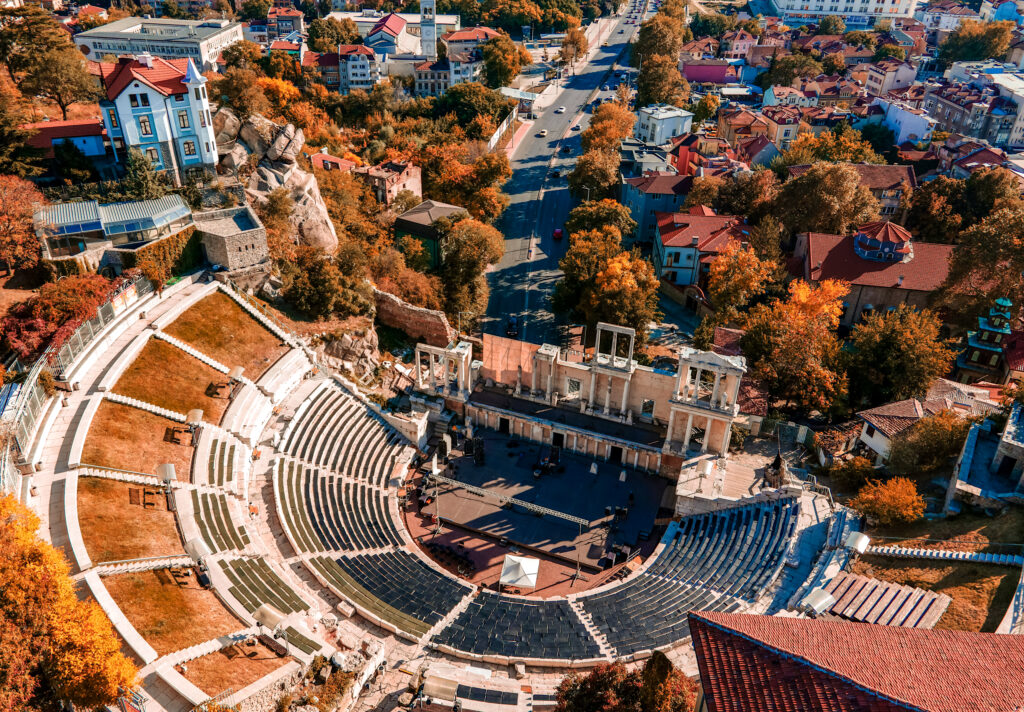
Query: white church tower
428,29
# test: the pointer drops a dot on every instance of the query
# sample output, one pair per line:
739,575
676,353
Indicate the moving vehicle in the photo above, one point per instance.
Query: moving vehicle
556,174
575,127
542,132
560,110
621,31
557,234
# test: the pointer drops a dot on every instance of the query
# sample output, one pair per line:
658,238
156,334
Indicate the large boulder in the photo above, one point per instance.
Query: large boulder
314,225
287,145
225,126
259,134
237,157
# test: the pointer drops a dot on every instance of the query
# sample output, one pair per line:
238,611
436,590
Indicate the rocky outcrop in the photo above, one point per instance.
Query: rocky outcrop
427,325
356,353
275,148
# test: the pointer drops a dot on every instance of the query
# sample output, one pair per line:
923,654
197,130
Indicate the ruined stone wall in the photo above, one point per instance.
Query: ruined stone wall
427,325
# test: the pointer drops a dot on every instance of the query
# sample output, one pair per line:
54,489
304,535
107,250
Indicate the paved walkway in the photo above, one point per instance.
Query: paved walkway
49,480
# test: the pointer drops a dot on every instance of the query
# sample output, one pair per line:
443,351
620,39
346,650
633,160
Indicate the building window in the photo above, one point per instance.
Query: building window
145,128
198,95
144,98
179,97
133,99
573,388
870,430
190,148
113,119
152,155
183,119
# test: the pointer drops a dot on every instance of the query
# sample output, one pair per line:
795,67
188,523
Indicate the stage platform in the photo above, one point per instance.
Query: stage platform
509,471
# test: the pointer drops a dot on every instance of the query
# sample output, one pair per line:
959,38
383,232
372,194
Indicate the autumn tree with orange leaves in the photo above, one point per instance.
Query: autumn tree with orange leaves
611,123
894,501
793,348
19,246
52,646
735,277
656,687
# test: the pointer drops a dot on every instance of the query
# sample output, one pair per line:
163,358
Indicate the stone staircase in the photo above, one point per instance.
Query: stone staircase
602,642
450,618
197,354
135,478
900,552
146,406
130,567
207,647
868,600
259,316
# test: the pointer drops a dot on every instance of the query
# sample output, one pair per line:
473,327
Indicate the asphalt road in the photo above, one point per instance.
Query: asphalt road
523,281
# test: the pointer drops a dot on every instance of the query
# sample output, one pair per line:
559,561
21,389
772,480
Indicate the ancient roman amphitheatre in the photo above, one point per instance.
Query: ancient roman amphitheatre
239,510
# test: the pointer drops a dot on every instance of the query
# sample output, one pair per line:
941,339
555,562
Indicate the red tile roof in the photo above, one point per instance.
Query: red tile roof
91,10
165,76
712,232
46,132
326,161
391,23
1015,351
349,50
726,342
985,158
892,419
656,184
885,231
470,34
873,176
832,257
751,663
283,12
283,46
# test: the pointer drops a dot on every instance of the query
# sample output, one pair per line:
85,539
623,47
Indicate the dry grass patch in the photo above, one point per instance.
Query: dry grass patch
221,329
170,614
115,529
232,668
981,593
964,532
127,438
168,377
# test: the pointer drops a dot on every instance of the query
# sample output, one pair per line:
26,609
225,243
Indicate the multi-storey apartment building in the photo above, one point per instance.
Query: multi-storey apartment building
202,42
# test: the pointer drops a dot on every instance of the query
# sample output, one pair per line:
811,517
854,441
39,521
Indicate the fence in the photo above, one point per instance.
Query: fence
31,398
504,126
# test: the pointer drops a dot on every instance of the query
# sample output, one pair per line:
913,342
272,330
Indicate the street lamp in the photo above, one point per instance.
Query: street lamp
460,319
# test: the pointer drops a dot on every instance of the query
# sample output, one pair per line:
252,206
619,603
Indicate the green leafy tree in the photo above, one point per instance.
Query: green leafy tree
595,214
929,445
782,71
661,35
596,175
140,181
503,60
934,213
712,24
988,263
860,38
831,25
242,55
988,190
834,63
896,355
17,158
973,41
706,108
468,100
73,165
27,34
828,197
888,51
326,34
61,77
469,247
610,687
254,10
660,82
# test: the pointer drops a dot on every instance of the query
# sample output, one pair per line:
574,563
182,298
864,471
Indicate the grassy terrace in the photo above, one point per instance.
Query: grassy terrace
221,329
965,532
168,377
170,615
114,529
981,593
127,438
232,668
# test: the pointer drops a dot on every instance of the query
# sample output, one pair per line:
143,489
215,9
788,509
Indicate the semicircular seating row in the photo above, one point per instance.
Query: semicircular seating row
337,432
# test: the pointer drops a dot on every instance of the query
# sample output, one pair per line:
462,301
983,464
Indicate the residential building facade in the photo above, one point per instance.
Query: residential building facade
658,123
161,108
434,78
200,41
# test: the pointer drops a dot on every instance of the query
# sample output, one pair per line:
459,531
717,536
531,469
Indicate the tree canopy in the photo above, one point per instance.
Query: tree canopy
930,444
595,214
973,40
610,687
828,197
503,60
894,501
327,33
48,638
610,124
19,246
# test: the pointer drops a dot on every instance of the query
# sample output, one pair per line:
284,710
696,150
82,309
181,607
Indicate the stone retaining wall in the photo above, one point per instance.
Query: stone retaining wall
427,325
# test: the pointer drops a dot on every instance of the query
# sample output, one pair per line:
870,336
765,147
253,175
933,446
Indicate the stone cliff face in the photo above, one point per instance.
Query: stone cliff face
273,148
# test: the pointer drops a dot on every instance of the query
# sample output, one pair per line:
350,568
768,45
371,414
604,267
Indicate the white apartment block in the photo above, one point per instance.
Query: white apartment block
857,14
200,41
658,123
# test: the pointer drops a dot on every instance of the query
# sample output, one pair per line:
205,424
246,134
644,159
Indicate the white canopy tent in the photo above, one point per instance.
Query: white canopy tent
520,571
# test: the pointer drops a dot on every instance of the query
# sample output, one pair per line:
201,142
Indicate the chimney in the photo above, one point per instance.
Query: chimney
695,240
145,59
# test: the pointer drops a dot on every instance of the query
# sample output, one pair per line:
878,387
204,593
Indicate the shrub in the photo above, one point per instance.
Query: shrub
894,501
929,445
171,257
47,383
851,475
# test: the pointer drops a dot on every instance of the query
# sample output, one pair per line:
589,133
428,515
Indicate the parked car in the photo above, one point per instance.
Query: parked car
566,149
512,327
575,127
557,234
542,132
556,174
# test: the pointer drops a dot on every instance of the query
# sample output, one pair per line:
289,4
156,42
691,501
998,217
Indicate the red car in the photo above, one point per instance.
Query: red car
557,234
